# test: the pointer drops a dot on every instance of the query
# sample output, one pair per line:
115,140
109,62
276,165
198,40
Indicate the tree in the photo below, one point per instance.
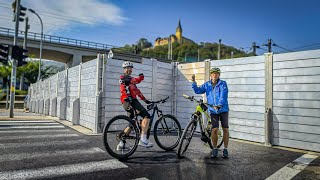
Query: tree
5,72
185,51
143,43
31,71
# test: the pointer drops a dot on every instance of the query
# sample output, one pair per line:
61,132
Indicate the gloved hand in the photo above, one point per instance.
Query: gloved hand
128,99
147,101
193,78
141,74
217,108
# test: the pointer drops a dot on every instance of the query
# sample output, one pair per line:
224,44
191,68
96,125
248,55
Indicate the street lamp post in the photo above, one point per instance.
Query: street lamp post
39,74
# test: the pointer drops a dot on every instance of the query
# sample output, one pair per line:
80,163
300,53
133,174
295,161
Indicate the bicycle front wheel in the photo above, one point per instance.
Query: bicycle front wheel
120,137
186,138
167,131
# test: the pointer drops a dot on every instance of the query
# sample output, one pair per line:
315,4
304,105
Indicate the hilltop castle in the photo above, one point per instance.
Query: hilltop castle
174,38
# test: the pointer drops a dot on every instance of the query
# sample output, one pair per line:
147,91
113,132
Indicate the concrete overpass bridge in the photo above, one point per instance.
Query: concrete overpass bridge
61,49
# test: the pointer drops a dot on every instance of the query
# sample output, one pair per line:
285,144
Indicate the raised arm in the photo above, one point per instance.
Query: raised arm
138,79
198,89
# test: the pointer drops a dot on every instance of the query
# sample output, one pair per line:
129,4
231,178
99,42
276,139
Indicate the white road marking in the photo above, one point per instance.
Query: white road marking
37,136
292,169
30,127
42,144
26,122
35,131
40,155
63,170
29,124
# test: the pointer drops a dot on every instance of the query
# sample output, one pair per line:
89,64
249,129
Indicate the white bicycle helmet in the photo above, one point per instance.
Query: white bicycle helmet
127,64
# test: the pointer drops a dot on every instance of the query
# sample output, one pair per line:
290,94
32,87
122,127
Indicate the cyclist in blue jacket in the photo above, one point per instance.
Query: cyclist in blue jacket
217,95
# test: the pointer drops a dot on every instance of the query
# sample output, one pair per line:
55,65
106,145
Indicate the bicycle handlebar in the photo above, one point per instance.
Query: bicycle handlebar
152,103
160,101
199,101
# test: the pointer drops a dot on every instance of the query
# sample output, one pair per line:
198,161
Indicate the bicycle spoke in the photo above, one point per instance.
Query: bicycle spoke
167,132
120,140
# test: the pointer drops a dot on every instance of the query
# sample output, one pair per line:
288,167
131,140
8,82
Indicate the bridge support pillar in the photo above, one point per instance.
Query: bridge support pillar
75,61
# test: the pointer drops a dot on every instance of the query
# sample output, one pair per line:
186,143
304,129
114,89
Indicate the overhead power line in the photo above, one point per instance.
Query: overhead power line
276,45
262,49
301,47
283,48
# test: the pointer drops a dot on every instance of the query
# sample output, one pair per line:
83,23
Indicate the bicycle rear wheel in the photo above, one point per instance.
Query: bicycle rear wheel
186,138
114,132
167,131
220,138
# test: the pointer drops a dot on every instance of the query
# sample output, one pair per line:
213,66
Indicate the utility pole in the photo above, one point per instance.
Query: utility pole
254,48
39,72
219,49
7,95
169,47
14,63
269,45
171,52
27,27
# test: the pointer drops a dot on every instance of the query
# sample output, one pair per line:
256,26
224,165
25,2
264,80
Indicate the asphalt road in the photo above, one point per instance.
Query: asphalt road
45,149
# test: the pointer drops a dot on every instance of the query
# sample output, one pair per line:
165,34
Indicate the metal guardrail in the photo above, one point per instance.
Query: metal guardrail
57,39
80,43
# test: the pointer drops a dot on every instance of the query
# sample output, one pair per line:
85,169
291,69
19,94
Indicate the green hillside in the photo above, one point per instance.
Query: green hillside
187,52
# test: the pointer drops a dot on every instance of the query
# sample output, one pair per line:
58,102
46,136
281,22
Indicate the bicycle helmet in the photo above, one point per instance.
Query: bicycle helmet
215,70
127,64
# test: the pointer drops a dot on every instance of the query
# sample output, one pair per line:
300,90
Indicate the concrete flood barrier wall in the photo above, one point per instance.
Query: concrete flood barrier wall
273,98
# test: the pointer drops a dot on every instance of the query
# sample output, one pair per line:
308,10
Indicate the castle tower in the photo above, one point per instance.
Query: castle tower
179,33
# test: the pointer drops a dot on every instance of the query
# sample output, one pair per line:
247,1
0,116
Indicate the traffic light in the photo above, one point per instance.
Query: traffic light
21,11
18,54
4,52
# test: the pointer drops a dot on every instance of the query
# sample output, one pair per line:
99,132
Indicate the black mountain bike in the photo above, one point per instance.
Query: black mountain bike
166,131
205,128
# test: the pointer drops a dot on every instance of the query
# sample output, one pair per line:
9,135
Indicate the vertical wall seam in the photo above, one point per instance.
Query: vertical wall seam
154,80
79,83
268,99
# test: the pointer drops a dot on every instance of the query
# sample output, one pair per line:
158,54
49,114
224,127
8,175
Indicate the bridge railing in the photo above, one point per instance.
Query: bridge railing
78,43
57,39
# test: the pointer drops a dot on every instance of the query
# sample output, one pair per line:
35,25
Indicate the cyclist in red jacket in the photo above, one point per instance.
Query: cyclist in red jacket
129,92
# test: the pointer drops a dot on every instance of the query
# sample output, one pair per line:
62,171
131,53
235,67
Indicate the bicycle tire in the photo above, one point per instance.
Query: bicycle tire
182,148
220,141
175,131
210,142
220,138
107,130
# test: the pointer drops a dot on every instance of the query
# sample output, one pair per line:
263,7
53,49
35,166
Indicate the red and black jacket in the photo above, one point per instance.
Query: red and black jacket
128,87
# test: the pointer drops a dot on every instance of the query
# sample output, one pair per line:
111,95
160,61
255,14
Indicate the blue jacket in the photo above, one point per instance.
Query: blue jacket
217,98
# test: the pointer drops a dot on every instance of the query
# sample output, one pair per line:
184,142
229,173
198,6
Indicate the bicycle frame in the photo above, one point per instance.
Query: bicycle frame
159,114
153,106
198,113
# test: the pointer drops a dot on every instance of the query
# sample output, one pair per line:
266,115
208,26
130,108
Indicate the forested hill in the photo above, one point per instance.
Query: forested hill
187,52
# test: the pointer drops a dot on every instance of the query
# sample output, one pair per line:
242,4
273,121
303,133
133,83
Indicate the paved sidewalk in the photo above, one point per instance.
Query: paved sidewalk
20,115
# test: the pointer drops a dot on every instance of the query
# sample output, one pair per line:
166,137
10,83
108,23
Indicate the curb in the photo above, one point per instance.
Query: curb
77,128
278,147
